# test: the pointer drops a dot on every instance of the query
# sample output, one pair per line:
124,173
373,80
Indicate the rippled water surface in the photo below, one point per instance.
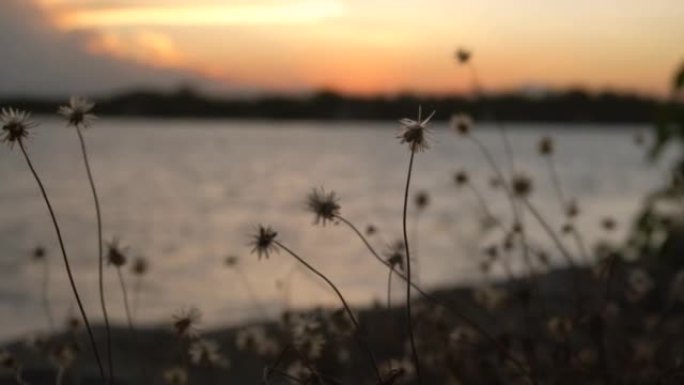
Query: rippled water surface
187,193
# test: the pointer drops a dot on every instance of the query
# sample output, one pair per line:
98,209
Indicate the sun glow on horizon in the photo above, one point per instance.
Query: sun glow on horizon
386,46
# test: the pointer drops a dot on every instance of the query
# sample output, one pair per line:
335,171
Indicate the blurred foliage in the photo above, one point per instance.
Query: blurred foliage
659,230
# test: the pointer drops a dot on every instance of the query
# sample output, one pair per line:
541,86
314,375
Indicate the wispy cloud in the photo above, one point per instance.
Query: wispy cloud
282,13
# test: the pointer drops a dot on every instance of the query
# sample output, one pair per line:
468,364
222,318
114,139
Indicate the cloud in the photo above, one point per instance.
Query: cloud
282,13
38,60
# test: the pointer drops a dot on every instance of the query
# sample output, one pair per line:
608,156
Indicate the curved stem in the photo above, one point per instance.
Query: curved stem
46,297
100,253
409,315
389,289
250,292
443,302
129,318
66,262
344,303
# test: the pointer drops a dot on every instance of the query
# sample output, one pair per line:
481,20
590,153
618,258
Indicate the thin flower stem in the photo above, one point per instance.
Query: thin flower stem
66,262
559,245
555,180
409,314
389,289
100,253
344,303
443,302
45,294
59,378
250,292
129,317
271,368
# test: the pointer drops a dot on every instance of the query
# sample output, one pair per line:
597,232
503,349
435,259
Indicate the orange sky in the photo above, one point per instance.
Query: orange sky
381,46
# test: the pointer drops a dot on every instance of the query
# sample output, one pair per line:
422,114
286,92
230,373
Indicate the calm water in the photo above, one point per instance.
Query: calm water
187,193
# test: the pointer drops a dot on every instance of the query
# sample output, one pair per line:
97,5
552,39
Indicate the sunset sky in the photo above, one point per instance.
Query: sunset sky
54,47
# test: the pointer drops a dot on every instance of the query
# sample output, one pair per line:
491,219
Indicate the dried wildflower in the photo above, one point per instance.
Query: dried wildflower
462,55
521,185
64,355
340,323
8,361
205,352
254,338
608,224
639,284
115,254
545,146
324,205
415,132
572,209
559,327
396,255
185,321
489,297
396,371
421,200
543,257
303,374
77,113
15,125
370,230
140,266
461,123
462,335
73,323
492,252
231,261
461,178
567,228
38,254
262,241
175,376
307,336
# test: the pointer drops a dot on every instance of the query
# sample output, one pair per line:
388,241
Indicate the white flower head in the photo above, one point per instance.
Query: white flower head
15,125
415,132
77,113
206,353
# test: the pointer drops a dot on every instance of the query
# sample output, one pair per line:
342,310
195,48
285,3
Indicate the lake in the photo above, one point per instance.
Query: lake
185,194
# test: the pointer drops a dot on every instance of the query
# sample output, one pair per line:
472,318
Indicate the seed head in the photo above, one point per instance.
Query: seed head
415,132
462,55
175,376
545,146
140,266
572,209
323,205
396,255
371,229
38,254
115,254
461,178
185,322
461,123
608,224
231,261
262,241
421,200
204,352
77,113
15,125
522,185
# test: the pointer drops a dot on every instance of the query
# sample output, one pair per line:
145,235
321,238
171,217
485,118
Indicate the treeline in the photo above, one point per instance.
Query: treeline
565,106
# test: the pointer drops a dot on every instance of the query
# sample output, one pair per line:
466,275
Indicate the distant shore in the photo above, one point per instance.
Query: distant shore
572,106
